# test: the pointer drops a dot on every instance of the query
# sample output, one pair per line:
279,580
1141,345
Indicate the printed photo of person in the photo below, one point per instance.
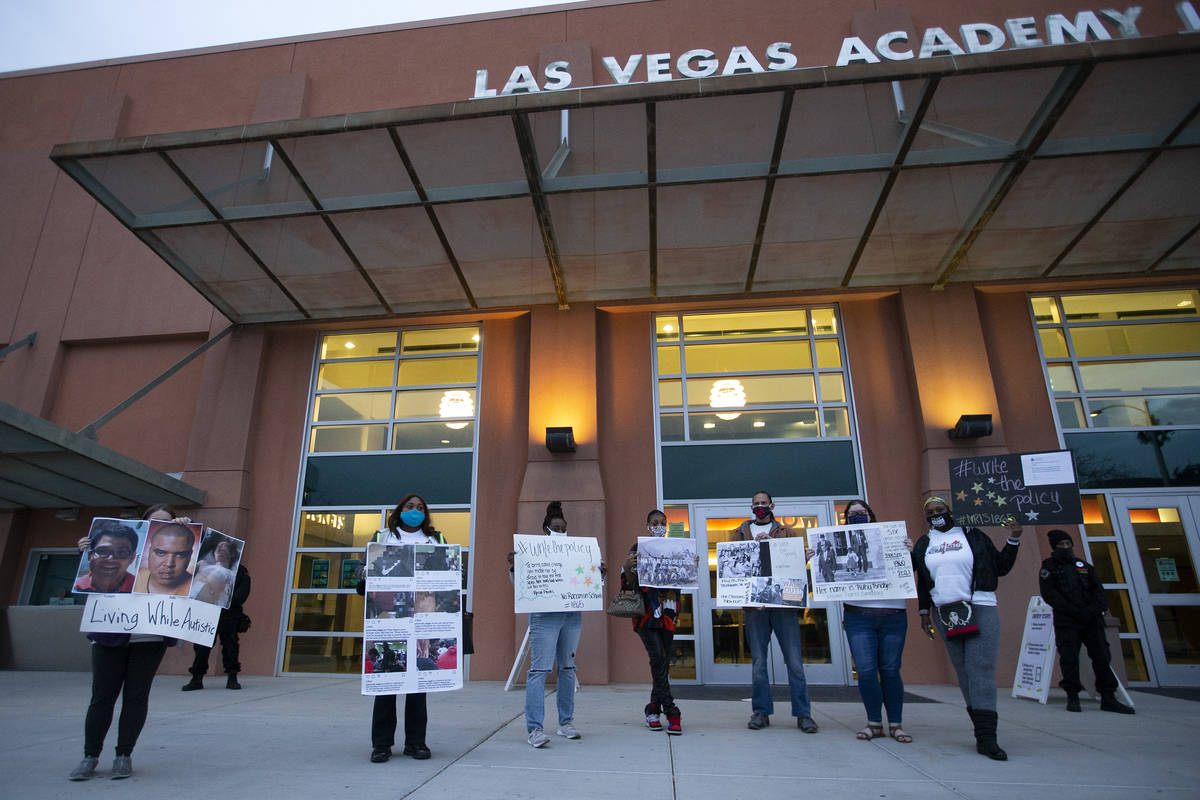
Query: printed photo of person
109,566
432,558
216,568
386,656
391,561
166,566
739,560
435,654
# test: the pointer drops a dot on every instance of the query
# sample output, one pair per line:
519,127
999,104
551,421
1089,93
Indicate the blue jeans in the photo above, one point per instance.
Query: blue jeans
553,636
786,624
876,643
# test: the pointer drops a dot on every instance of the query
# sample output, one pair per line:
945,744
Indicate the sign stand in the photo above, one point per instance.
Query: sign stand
520,662
1035,661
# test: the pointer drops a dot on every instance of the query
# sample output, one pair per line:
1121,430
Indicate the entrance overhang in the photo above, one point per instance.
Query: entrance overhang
1013,165
45,466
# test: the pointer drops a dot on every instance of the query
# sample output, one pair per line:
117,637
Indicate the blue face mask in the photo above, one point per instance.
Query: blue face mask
858,519
412,518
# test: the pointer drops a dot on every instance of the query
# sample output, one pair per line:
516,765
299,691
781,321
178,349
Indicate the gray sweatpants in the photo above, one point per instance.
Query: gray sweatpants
974,658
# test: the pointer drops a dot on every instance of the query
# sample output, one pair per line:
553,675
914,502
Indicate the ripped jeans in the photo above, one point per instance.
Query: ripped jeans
553,636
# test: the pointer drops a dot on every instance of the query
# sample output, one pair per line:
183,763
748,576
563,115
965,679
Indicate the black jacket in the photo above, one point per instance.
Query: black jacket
1071,588
990,564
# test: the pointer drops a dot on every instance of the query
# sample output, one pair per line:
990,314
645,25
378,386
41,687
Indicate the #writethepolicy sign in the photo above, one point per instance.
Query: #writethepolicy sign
1035,488
556,573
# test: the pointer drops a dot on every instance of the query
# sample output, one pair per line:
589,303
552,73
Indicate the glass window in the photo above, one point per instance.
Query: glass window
670,427
1179,629
668,361
355,375
1135,660
666,328
432,435
433,371
1107,561
348,438
358,345
435,403
326,570
325,613
1062,378
837,422
1070,413
829,355
54,574
1137,376
670,394
682,663
1171,303
1120,607
455,526
749,356
1095,516
1054,343
833,387
740,325
792,424
1045,309
341,655
1136,412
439,340
1136,340
751,390
1163,546
351,406
338,528
824,321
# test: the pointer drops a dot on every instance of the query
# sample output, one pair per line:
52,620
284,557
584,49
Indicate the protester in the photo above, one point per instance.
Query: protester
122,664
165,566
785,622
876,630
233,621
553,637
656,629
109,558
1069,586
957,574
409,523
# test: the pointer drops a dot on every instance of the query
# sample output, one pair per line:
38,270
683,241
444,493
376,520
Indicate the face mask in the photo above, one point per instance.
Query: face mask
1064,553
942,522
658,530
553,532
761,512
412,517
858,519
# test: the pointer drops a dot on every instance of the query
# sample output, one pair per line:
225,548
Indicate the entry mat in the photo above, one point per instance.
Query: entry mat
818,694
1183,693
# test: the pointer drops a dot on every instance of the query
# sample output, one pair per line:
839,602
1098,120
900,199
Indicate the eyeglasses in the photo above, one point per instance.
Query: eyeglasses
108,552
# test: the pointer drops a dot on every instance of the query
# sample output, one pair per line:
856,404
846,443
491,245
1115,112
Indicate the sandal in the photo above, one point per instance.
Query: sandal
897,733
874,730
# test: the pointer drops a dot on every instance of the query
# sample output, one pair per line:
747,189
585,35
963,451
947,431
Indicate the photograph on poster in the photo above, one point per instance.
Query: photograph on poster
391,561
741,559
769,572
217,567
849,555
432,558
446,602
169,558
389,605
863,562
110,566
437,654
386,656
665,563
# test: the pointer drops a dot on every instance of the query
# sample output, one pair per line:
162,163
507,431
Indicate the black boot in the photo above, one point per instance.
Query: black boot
195,683
1109,702
231,681
1073,701
985,735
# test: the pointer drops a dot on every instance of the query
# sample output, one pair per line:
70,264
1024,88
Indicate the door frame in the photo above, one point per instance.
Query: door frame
836,673
1188,504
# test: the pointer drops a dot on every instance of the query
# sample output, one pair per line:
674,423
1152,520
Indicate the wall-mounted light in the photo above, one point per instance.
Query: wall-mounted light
727,393
456,403
972,426
560,440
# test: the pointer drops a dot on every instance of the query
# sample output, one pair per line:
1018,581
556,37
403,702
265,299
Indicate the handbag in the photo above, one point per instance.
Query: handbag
957,619
628,604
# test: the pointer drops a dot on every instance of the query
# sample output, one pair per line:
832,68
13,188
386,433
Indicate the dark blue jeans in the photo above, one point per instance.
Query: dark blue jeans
785,622
876,643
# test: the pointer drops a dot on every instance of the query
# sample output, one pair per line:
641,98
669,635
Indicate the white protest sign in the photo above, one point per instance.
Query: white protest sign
770,572
664,563
861,562
177,617
556,573
1035,661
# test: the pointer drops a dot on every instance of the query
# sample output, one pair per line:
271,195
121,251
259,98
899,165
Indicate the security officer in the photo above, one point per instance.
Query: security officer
1070,586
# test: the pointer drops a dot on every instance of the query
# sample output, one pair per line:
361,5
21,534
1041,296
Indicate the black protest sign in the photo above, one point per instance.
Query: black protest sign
1035,488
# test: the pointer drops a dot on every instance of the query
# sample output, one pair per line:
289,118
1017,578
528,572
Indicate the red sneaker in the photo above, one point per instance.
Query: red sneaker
674,727
653,722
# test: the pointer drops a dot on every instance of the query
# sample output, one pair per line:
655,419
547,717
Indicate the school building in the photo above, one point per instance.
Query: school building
760,245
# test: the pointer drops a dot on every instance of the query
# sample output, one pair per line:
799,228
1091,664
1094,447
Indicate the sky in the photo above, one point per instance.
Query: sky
44,33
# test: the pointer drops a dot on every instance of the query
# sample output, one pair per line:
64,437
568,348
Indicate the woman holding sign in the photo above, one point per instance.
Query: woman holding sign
876,630
409,523
122,665
957,574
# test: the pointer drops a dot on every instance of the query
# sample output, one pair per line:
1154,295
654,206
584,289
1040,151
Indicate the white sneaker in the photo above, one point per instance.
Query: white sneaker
538,738
568,731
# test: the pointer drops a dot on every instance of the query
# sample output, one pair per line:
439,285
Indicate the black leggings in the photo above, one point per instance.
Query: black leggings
383,720
658,646
128,671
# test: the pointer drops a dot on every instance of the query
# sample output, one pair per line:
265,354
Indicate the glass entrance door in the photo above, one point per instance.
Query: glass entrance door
1164,533
724,650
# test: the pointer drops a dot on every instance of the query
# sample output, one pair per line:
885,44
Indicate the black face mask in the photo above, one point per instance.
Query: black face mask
947,522
1064,553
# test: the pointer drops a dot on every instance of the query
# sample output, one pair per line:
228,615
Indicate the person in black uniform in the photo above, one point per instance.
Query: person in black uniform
229,626
1070,586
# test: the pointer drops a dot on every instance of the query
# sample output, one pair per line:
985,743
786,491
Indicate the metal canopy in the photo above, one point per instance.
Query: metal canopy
1056,161
45,466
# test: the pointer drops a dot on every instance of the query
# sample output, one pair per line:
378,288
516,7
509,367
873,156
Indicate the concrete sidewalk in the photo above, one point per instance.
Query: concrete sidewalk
291,738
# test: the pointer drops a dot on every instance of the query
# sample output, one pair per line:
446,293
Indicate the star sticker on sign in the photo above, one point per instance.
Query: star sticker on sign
1032,515
977,487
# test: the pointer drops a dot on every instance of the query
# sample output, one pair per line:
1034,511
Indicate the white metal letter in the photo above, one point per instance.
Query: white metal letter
622,74
884,46
970,36
937,42
854,49
1127,22
707,65
1187,13
780,54
557,75
658,67
481,89
741,60
521,80
1058,28
1023,32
